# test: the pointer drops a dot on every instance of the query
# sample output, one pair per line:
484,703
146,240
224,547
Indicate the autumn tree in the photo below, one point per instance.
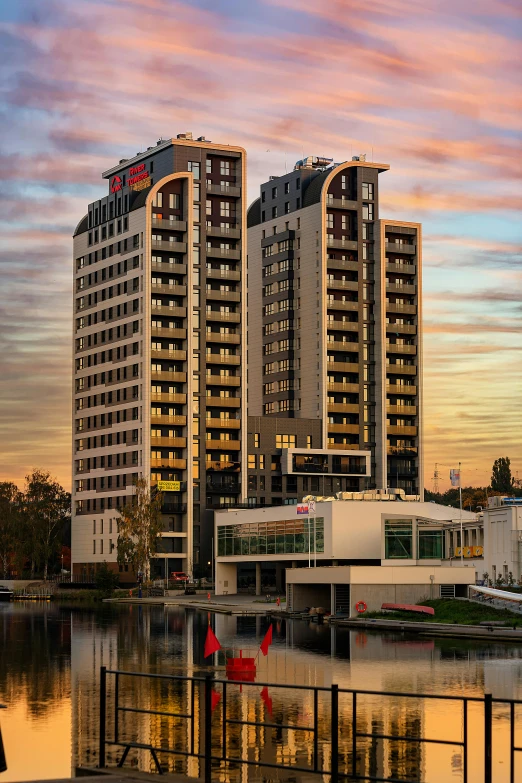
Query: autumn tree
139,527
47,507
10,519
501,479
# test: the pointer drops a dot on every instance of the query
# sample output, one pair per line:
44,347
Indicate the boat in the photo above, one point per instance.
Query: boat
6,593
409,608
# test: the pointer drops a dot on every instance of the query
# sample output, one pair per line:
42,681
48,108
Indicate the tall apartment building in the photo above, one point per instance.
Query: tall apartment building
334,319
159,370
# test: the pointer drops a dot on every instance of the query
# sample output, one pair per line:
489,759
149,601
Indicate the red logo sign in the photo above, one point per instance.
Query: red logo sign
115,184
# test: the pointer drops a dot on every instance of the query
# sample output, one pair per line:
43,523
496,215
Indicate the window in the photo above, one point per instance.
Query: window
256,440
285,441
367,190
287,207
224,168
208,165
262,466
398,539
195,168
430,544
263,196
197,191
274,212
308,441
329,220
287,187
252,461
224,209
274,192
158,200
367,211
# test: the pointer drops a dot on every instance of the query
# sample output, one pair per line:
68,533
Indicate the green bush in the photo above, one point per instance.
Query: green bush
106,580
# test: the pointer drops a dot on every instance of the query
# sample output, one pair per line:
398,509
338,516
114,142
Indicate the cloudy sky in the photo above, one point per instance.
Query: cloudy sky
431,87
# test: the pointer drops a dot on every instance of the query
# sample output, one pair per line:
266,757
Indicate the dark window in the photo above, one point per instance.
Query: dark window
287,187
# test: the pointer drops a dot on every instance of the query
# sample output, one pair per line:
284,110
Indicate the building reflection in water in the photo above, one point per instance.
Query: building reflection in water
51,654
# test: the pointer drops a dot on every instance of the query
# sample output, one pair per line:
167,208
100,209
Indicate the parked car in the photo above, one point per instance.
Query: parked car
179,576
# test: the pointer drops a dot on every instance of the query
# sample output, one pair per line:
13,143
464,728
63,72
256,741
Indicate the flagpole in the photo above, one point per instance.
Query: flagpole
461,536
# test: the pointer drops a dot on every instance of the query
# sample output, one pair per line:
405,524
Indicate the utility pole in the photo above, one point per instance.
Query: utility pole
436,476
461,536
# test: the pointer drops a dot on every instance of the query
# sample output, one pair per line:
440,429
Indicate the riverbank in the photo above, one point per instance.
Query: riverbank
455,611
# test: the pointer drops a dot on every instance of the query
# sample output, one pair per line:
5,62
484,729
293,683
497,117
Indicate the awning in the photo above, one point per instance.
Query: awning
504,594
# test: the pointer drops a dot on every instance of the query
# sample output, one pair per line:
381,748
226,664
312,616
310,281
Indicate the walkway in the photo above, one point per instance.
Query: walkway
223,604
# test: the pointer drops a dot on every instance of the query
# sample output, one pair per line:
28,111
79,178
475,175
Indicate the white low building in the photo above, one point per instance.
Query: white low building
365,532
503,539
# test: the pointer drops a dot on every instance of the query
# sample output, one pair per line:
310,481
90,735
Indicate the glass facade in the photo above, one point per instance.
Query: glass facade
430,545
398,539
287,537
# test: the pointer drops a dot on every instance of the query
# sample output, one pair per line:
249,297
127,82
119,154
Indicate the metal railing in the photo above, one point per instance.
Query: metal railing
209,732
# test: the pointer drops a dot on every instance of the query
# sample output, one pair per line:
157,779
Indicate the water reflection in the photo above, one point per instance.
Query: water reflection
49,670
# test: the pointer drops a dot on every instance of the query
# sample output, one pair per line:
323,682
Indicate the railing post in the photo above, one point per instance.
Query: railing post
488,731
334,720
354,734
208,728
103,705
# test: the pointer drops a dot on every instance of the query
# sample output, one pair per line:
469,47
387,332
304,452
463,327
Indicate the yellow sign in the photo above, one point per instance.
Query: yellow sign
470,551
142,184
478,551
169,486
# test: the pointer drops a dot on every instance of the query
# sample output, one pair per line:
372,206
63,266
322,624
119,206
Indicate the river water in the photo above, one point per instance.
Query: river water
50,656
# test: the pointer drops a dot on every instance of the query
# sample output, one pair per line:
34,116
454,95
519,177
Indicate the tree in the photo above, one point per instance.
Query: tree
10,507
106,580
139,527
501,479
47,506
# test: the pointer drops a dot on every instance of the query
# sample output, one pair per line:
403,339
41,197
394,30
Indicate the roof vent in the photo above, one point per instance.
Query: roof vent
159,141
124,160
149,148
202,138
361,158
313,162
187,136
272,177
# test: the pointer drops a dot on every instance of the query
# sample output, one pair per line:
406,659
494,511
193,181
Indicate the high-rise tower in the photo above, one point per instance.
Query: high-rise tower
159,348
335,316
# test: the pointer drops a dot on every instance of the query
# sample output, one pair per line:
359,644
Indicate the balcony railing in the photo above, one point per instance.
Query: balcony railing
217,315
173,290
180,399
343,326
172,420
401,289
219,337
166,353
402,410
173,443
343,407
222,402
165,462
338,304
402,328
342,244
339,345
393,429
220,231
393,307
170,225
173,312
342,367
224,190
393,348
216,358
396,247
349,429
171,247
225,424
224,445
340,203
401,369
338,263
223,274
407,269
165,375
392,388
222,380
346,285
222,296
165,331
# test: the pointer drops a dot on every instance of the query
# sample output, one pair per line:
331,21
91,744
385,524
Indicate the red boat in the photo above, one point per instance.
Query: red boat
410,608
241,669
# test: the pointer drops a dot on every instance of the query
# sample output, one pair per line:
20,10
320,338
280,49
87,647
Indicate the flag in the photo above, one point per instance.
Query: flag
267,641
455,478
212,644
267,699
215,698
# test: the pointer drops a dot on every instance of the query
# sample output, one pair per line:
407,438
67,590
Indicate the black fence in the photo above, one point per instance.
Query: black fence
208,729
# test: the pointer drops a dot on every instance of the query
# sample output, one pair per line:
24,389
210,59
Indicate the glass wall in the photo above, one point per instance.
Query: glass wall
398,539
287,537
430,545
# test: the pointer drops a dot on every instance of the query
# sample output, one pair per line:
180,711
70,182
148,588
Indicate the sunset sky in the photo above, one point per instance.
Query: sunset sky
431,87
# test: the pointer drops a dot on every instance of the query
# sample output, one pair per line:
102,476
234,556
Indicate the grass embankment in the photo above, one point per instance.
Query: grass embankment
87,595
453,611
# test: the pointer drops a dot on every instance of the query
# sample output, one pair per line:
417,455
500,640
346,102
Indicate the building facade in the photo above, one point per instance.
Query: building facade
335,316
159,349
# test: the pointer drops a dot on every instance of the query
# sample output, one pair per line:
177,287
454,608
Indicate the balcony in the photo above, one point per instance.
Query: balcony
174,334
337,263
173,312
401,451
170,247
222,380
164,462
170,225
223,424
338,304
344,447
216,358
343,407
223,402
392,307
392,388
401,328
343,326
342,244
407,269
224,445
410,349
220,231
222,296
338,345
173,290
165,375
181,399
395,247
342,285
402,410
401,369
342,367
172,443
340,203
180,421
392,429
223,252
165,353
224,190
393,288
347,429
223,274
166,266
216,466
217,315
219,337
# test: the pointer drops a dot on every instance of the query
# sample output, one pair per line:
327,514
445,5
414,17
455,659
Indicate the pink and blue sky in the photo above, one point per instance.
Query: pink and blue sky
432,87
